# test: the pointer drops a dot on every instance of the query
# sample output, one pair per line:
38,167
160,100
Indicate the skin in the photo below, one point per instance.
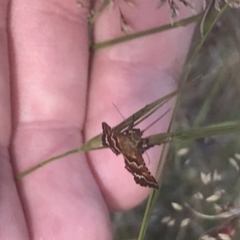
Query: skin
54,97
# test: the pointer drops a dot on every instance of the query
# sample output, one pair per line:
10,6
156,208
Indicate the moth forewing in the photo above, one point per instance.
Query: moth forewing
109,139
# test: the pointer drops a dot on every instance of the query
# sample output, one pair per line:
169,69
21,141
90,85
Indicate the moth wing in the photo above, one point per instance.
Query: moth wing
109,138
136,166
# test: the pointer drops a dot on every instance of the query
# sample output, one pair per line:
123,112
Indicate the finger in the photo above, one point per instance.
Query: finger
50,66
12,223
131,75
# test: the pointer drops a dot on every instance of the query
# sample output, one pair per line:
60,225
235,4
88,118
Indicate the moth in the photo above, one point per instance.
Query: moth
131,145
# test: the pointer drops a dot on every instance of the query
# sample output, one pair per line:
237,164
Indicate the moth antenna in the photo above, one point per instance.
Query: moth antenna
131,125
156,120
118,111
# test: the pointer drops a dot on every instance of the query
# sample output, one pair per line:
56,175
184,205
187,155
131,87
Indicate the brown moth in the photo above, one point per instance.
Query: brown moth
130,144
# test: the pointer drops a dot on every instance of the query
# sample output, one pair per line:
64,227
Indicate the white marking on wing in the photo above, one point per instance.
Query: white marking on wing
115,145
142,177
134,163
